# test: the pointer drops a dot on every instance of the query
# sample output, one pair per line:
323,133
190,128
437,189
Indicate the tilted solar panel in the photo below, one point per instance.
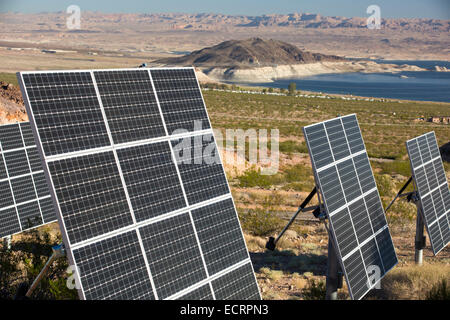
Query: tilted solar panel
431,182
357,220
143,201
25,201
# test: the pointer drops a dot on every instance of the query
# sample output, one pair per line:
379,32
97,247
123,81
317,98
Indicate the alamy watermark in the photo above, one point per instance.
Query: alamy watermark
374,275
244,148
73,21
374,20
73,279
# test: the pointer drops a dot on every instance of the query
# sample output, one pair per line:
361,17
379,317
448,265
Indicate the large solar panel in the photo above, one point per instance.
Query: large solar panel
25,201
357,220
144,213
431,182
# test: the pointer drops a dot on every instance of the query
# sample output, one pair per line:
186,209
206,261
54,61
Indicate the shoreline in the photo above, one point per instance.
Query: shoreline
324,95
270,74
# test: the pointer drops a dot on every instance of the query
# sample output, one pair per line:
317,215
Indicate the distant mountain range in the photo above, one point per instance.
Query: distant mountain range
159,35
300,20
254,52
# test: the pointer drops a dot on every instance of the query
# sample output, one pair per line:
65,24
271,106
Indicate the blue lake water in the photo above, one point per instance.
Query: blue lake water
421,86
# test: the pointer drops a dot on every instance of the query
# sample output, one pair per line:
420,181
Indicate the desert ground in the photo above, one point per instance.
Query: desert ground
42,41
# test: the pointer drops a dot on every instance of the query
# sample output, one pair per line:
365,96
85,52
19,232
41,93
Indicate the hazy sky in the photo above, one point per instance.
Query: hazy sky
438,9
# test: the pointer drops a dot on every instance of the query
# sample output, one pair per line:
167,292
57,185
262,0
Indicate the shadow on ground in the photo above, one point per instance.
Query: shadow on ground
288,261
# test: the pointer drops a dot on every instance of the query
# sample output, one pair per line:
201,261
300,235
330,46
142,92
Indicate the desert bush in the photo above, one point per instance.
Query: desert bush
394,167
402,212
440,291
25,260
291,146
262,221
314,290
253,178
385,185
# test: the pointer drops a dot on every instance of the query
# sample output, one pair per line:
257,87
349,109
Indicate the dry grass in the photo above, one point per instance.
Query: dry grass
412,282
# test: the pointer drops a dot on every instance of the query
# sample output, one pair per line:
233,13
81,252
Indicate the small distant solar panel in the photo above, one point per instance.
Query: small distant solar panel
432,187
141,217
25,200
357,220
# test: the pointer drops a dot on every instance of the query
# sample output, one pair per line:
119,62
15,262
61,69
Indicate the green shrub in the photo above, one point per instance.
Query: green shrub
385,185
291,146
263,221
253,178
394,167
9,78
314,290
25,260
259,222
440,291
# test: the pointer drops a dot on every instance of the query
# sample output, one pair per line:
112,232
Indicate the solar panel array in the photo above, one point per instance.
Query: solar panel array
431,182
25,198
357,220
138,219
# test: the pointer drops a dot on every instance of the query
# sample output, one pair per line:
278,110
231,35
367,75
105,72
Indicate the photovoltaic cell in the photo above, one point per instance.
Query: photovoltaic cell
174,255
9,222
22,182
30,215
107,267
431,182
201,172
130,105
236,285
180,99
17,163
151,179
221,249
66,111
202,293
90,194
138,221
357,220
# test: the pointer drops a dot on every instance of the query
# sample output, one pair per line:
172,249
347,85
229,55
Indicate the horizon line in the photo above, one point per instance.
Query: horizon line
215,13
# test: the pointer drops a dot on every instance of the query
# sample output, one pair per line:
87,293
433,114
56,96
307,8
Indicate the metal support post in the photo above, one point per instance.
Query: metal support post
420,238
333,276
58,252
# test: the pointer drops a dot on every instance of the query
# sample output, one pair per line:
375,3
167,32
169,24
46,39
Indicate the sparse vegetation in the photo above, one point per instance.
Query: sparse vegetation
25,260
262,221
300,259
315,290
9,78
414,282
440,291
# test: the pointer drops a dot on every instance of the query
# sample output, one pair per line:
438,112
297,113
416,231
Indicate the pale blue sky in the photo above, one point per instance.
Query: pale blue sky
438,9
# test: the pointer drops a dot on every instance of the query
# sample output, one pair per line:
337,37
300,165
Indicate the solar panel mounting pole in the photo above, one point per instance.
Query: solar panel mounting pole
272,242
58,252
334,274
420,239
332,281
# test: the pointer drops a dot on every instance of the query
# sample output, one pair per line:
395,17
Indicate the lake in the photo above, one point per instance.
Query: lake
421,86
